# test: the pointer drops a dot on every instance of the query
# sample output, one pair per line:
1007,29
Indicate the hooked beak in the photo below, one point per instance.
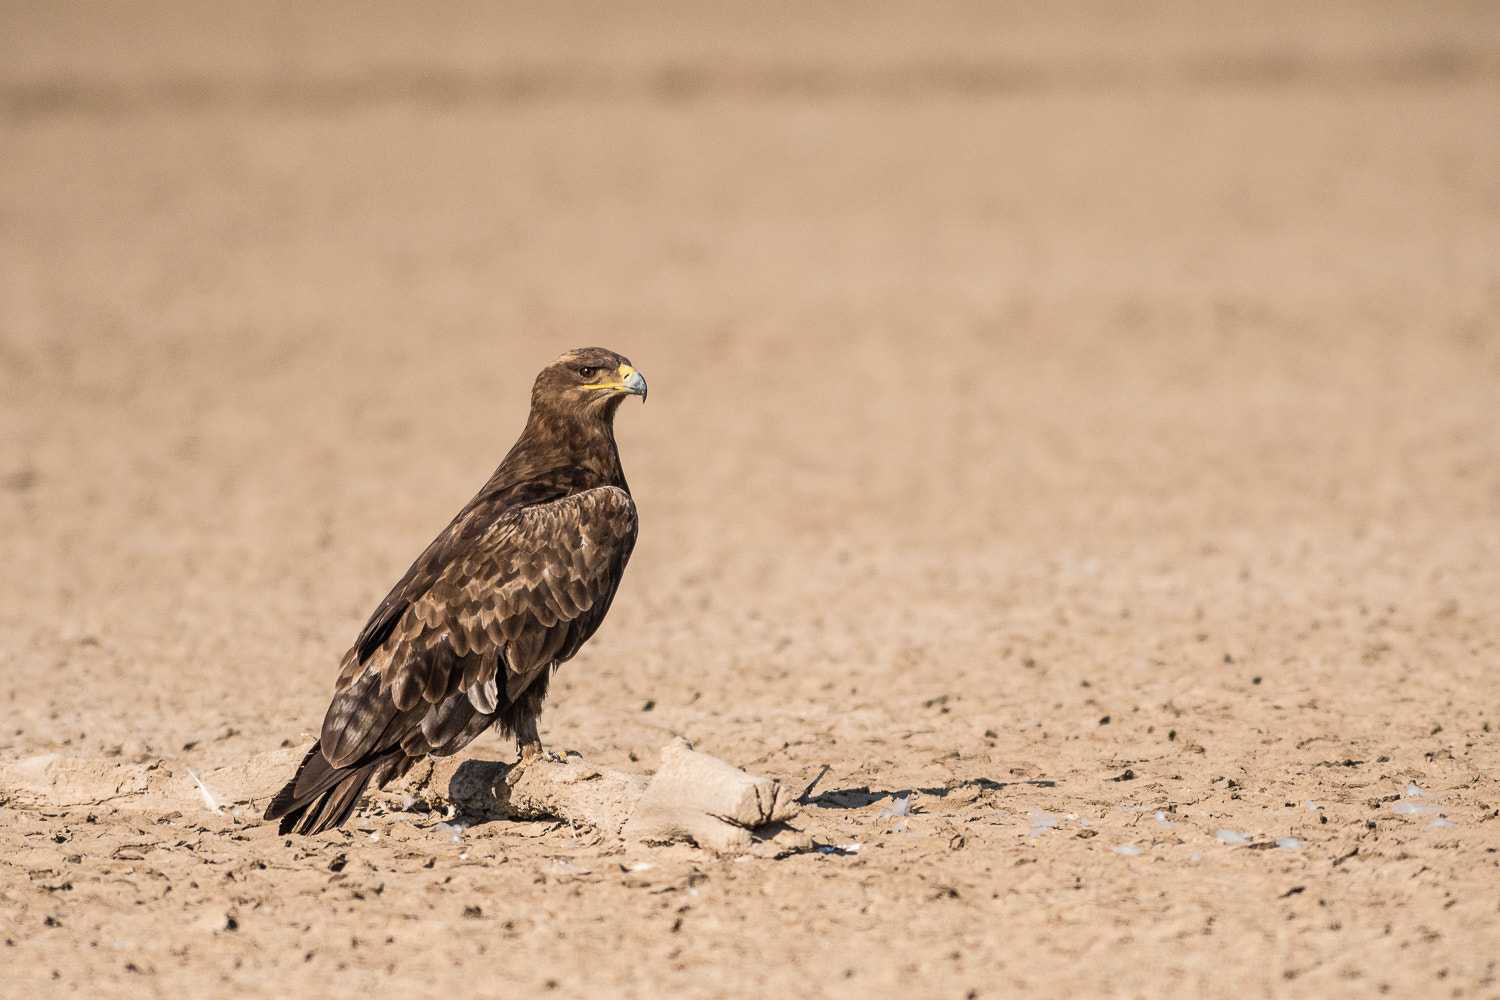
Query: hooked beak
632,382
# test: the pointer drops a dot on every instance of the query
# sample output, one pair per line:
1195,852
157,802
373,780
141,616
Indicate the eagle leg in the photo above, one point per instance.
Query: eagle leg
529,743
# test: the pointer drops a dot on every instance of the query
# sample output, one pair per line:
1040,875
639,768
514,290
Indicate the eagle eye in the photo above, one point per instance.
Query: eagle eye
588,372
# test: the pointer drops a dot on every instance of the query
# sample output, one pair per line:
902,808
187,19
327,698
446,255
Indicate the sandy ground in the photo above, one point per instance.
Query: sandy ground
1078,421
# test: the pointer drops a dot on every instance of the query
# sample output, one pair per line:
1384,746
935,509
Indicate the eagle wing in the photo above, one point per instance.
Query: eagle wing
489,607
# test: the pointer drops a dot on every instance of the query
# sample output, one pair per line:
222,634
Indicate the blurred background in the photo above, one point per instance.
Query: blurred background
961,320
1087,408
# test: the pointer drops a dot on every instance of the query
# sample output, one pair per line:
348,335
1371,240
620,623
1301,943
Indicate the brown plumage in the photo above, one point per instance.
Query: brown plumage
518,582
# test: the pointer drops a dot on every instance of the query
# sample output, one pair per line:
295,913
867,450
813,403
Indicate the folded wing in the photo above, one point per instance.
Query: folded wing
490,606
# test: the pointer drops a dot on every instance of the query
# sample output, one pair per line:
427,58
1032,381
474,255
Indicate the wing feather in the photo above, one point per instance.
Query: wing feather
485,697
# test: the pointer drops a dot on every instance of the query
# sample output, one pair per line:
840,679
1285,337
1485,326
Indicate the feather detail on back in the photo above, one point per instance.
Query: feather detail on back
537,586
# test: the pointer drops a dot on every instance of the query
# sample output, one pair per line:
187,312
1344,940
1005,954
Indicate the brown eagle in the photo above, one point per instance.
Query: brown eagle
515,585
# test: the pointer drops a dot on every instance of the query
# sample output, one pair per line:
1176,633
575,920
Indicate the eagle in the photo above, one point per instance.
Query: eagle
514,586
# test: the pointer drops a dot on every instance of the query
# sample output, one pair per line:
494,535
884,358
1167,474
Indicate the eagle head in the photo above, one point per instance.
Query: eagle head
588,380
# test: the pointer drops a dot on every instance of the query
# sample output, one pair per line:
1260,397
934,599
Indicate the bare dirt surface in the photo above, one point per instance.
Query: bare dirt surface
1074,427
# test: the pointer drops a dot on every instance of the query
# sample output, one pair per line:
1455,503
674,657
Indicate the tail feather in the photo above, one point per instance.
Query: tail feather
320,796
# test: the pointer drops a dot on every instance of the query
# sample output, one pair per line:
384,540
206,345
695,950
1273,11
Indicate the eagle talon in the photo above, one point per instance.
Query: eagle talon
532,752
